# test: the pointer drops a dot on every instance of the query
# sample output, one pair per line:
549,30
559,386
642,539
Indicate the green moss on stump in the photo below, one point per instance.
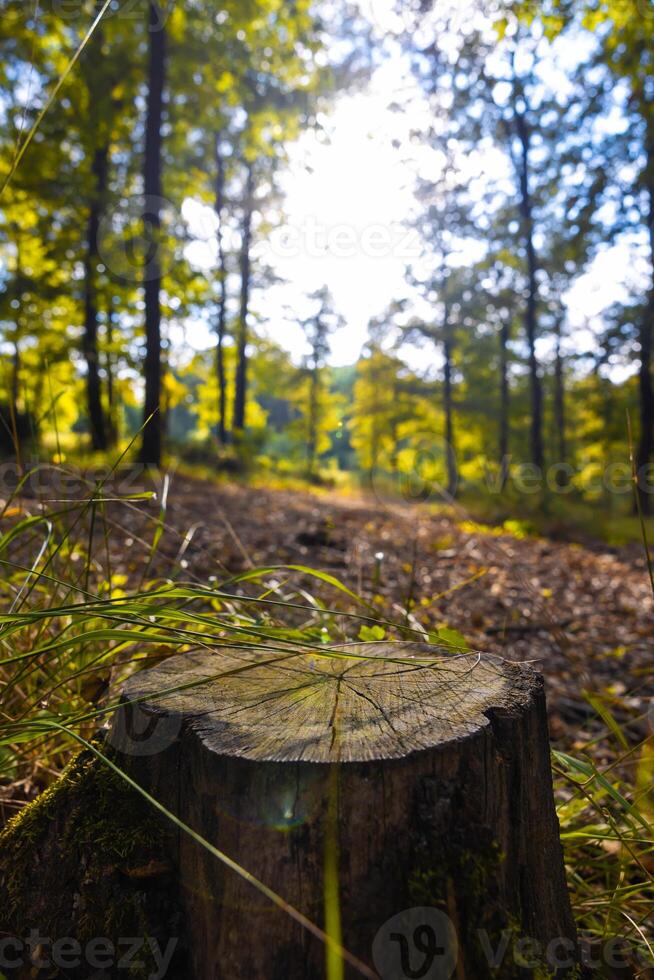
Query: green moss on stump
89,858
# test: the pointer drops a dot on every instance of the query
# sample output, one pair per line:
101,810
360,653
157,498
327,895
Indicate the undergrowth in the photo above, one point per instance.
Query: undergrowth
76,620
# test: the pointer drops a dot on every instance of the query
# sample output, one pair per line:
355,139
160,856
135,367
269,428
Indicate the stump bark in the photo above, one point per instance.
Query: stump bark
398,797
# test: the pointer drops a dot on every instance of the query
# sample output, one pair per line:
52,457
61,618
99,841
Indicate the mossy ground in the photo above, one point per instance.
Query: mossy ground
87,859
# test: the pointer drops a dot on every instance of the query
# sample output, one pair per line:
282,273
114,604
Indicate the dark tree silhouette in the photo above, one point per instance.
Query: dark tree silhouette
240,395
99,168
153,427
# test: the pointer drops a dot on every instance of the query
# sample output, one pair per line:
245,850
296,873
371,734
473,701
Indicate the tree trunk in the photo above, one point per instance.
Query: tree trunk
112,426
14,384
312,441
152,432
448,404
240,396
526,211
221,429
644,452
400,802
10,434
393,426
559,405
504,402
99,168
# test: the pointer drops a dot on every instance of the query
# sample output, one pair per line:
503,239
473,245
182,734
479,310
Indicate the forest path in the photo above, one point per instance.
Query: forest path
582,615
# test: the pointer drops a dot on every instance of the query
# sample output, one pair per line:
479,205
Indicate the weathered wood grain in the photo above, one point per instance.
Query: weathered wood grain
363,701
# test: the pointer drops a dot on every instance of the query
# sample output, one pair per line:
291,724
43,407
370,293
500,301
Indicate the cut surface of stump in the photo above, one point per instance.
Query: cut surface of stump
372,786
363,702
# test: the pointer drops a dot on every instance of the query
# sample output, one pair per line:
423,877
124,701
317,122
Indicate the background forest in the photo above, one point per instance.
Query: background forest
143,220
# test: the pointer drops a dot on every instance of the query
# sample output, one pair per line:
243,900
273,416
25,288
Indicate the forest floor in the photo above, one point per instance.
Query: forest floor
583,614
580,612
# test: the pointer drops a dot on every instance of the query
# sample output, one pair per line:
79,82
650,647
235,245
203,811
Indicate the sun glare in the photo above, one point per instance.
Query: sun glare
343,229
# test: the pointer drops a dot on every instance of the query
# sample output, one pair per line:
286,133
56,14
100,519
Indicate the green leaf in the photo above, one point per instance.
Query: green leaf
303,569
449,638
371,633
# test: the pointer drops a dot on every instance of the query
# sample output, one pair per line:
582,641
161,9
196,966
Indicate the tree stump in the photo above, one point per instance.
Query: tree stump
398,797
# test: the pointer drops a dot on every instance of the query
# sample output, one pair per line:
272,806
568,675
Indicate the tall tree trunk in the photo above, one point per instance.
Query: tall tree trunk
526,211
644,451
152,433
448,402
14,385
99,169
645,446
394,427
13,427
241,364
15,378
559,406
112,428
312,441
221,429
504,401
559,395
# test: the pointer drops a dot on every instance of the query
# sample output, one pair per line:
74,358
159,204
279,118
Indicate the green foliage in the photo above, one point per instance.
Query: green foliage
607,824
260,74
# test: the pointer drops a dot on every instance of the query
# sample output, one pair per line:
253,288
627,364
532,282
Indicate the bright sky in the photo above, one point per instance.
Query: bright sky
346,202
346,198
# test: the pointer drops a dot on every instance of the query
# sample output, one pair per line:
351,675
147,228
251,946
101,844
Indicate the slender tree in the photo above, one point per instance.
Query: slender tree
316,407
505,399
559,393
219,207
240,394
443,335
112,426
317,328
523,131
90,344
500,310
448,399
444,222
153,426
